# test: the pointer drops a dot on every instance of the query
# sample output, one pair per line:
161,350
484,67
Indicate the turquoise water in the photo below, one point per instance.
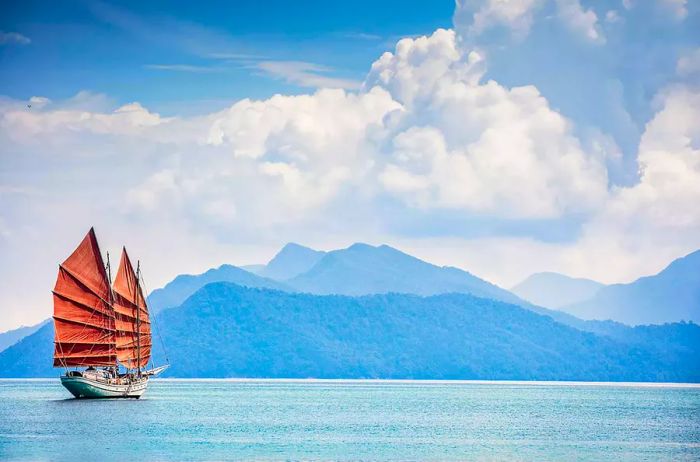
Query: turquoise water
356,420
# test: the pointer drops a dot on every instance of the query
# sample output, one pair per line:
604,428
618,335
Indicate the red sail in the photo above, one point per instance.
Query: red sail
83,314
133,350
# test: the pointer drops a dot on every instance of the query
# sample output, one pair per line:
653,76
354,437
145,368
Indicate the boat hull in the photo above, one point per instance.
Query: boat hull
86,388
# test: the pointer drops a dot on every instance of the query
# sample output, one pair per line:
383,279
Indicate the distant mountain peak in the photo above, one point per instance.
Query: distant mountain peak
383,250
359,245
293,246
671,295
363,269
363,246
292,260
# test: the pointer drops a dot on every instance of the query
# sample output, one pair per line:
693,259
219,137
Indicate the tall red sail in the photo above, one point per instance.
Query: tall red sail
83,314
133,350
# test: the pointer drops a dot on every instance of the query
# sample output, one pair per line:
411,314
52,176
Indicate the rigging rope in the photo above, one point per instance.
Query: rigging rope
155,325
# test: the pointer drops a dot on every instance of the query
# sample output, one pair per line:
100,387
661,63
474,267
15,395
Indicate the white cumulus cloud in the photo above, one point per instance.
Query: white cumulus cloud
580,20
479,147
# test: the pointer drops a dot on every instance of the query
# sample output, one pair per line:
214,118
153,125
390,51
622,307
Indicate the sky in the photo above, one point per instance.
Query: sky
504,137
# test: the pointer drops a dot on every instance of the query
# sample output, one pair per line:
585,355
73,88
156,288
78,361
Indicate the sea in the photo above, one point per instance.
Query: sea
324,420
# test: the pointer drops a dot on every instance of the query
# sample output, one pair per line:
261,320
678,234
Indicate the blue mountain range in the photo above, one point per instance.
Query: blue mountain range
375,312
226,330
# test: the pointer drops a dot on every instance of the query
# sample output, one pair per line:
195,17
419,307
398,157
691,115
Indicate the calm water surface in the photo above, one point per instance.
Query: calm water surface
356,420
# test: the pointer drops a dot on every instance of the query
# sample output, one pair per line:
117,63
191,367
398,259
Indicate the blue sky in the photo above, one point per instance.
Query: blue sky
181,56
503,137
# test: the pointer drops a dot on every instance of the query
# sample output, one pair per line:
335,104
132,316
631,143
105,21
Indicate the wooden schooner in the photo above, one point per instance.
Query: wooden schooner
102,326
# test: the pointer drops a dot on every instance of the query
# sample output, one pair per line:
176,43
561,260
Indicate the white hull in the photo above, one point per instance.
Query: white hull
83,387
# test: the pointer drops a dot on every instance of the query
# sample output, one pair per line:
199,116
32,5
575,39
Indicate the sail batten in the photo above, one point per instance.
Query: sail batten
107,332
84,320
82,305
133,336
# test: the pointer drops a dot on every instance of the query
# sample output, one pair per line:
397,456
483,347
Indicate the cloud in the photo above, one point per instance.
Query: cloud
612,16
483,148
126,120
650,223
418,67
518,16
637,231
305,74
39,101
13,38
480,16
424,131
578,20
600,74
677,7
669,159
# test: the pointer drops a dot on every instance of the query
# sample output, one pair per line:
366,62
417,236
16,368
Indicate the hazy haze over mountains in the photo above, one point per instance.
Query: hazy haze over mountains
177,290
554,290
671,295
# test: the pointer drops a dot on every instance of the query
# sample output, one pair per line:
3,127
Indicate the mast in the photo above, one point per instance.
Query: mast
109,272
138,318
108,267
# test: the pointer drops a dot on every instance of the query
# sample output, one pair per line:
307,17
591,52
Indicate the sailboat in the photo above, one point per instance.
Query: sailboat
101,326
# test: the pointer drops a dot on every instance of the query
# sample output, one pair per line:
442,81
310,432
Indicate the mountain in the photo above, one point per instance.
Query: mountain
555,290
177,290
255,269
363,269
291,261
672,295
225,330
13,336
32,356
